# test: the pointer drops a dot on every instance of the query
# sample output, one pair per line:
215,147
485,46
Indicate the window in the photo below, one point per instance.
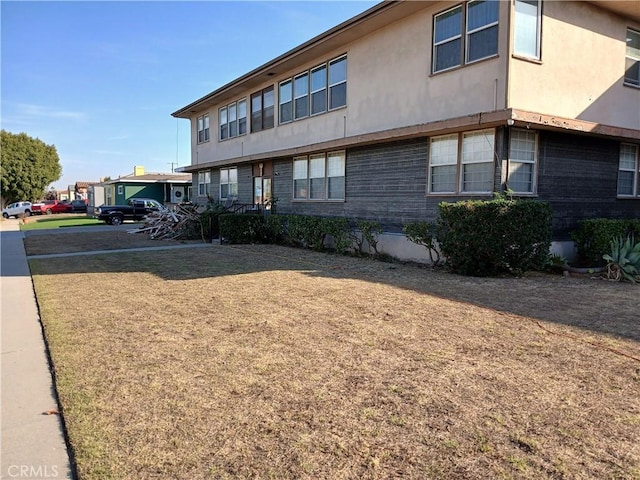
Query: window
228,183
262,105
301,96
203,128
315,91
628,171
319,177
338,83
462,163
522,161
443,163
286,101
480,39
204,179
319,89
477,162
233,119
120,189
482,30
527,28
632,64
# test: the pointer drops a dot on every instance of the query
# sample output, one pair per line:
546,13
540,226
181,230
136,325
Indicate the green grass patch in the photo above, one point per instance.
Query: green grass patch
39,223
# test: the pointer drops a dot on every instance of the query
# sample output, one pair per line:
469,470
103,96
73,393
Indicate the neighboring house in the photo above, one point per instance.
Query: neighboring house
81,190
167,188
413,103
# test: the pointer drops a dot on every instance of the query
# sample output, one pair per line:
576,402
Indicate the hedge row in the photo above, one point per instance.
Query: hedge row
593,237
318,233
484,238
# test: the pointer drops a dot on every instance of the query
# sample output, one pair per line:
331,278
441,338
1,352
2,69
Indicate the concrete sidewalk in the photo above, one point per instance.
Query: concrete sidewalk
33,443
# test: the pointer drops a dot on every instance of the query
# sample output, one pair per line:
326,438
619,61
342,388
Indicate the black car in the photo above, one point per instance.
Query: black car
79,206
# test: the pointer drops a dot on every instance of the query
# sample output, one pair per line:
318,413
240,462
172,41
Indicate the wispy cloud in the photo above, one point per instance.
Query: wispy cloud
26,110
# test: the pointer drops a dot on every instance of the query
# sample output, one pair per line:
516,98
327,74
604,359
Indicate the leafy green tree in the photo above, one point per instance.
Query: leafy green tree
28,166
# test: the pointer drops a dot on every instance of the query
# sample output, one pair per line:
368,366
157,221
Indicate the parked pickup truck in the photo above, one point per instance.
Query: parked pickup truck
135,209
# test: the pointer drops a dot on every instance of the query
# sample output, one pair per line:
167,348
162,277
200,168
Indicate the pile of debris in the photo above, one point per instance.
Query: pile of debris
181,223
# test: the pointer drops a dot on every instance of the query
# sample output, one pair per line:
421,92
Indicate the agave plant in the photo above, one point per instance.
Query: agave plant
623,261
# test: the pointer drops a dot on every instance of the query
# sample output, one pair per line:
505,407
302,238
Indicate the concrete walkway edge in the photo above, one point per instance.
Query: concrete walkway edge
33,440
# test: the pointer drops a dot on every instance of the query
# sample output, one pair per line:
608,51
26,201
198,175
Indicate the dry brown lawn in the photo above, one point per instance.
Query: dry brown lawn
268,362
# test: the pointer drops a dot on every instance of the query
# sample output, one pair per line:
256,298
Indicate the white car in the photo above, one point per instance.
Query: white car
16,209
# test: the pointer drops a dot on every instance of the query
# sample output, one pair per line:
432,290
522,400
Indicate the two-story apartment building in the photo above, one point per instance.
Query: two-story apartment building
413,103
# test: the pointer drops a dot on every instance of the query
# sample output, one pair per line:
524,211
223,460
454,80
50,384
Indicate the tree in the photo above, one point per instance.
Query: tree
28,166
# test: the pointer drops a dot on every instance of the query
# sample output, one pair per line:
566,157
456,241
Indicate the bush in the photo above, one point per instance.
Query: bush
593,237
369,232
424,233
277,229
242,228
484,238
623,260
306,231
339,230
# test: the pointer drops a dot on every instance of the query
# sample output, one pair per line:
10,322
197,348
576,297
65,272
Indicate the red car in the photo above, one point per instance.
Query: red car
52,206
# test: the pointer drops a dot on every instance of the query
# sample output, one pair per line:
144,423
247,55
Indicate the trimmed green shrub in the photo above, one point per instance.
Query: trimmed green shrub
242,228
277,229
340,231
593,237
306,231
484,238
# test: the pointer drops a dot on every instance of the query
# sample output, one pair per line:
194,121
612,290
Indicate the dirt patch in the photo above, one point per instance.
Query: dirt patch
269,362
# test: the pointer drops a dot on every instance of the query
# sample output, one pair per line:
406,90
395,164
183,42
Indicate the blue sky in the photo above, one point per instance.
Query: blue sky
99,80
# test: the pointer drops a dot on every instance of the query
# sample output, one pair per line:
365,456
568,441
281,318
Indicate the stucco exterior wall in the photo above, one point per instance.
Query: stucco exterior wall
389,85
581,71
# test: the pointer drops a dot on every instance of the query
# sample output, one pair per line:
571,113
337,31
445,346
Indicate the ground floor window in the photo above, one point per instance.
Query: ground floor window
319,176
522,161
204,179
228,183
629,171
462,163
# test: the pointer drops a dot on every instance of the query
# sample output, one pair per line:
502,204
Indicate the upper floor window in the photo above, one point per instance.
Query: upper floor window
479,22
632,63
462,163
319,177
228,183
629,171
262,113
527,28
233,119
321,89
203,128
522,161
204,179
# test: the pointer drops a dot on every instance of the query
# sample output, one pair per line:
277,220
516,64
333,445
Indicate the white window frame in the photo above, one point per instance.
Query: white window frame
330,170
331,86
514,161
463,36
226,123
314,93
473,157
632,55
285,86
635,170
203,128
229,177
446,40
301,79
441,158
261,94
486,26
204,182
522,30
